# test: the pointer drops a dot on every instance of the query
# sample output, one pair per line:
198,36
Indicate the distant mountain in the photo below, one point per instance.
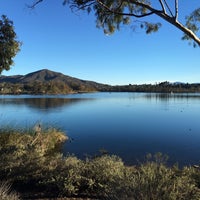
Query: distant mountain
49,82
43,75
45,78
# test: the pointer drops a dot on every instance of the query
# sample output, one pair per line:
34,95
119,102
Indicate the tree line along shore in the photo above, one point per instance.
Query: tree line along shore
54,87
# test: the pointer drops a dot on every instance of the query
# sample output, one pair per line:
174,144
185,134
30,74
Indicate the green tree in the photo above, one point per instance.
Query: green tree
9,46
111,14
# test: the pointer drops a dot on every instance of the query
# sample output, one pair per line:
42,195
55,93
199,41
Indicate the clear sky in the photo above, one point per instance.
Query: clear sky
54,38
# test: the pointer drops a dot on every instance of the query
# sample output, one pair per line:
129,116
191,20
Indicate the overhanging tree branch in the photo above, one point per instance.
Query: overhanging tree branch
32,6
170,19
114,11
162,5
176,10
108,12
168,8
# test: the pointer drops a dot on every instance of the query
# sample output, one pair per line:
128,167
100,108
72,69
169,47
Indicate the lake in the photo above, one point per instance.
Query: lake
129,125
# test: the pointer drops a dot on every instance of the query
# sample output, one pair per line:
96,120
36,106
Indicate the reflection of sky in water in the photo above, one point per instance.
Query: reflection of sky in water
126,124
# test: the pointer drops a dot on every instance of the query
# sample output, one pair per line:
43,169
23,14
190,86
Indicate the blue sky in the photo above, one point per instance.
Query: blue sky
54,38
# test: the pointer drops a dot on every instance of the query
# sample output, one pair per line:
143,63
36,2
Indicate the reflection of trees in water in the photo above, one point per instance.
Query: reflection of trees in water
41,103
49,103
170,96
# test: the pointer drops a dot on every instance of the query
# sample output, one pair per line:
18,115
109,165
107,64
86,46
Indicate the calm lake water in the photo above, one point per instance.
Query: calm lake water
126,124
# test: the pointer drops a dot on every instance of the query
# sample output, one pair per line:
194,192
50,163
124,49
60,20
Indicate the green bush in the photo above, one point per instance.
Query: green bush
62,176
101,175
108,178
156,181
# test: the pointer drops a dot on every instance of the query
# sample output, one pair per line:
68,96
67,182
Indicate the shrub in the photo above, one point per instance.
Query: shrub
63,176
25,157
102,175
108,178
156,181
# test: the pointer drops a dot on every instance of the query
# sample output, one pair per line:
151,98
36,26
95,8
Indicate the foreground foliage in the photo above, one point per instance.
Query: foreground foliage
33,163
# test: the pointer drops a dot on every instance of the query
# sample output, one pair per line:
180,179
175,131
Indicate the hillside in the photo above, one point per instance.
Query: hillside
47,82
50,82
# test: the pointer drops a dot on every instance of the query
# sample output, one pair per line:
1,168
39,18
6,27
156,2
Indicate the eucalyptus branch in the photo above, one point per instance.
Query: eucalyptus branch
82,7
171,20
165,12
120,5
148,7
162,5
122,13
171,13
35,4
176,10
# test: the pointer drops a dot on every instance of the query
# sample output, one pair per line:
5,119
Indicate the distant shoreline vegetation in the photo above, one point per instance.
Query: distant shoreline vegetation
49,82
163,87
62,88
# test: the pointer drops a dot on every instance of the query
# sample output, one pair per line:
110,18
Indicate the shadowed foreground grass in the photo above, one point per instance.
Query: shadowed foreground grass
34,165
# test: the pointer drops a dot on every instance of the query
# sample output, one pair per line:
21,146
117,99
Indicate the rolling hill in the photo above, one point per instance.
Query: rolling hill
46,81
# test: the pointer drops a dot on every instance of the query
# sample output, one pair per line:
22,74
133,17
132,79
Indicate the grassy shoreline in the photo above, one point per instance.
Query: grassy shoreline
33,163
